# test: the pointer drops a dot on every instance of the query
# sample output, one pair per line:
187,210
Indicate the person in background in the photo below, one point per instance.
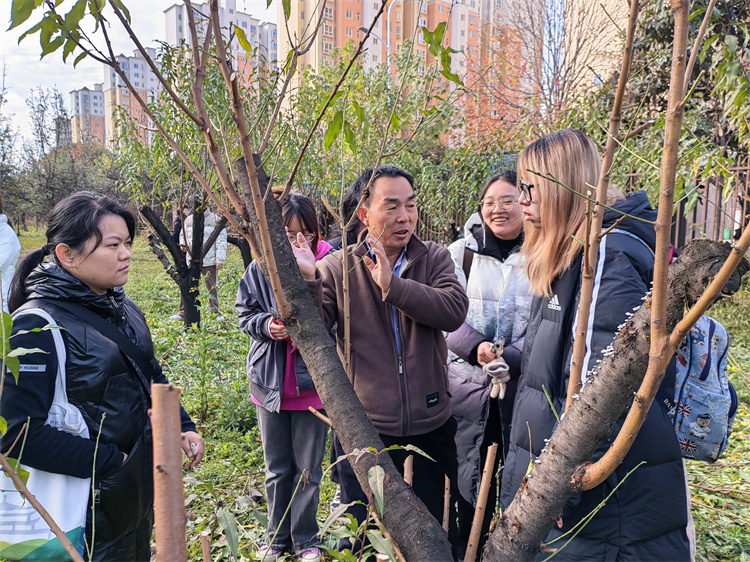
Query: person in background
351,201
10,251
646,518
404,294
294,440
490,267
212,261
177,224
89,240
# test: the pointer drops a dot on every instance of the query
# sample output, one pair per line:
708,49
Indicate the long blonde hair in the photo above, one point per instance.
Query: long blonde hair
570,157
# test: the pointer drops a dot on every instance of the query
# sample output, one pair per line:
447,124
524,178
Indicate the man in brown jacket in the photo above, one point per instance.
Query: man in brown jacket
404,294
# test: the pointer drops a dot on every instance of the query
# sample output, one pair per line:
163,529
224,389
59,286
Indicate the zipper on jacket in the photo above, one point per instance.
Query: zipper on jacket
400,366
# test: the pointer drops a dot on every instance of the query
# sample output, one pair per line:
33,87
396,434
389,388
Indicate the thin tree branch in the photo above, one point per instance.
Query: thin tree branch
661,341
696,46
255,197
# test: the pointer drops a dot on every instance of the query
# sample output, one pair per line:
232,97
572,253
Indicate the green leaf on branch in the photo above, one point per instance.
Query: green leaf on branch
3,426
79,58
244,43
52,46
70,46
229,525
731,42
445,59
122,8
30,31
18,469
287,5
20,10
351,138
74,16
334,129
14,366
395,121
25,351
375,477
381,544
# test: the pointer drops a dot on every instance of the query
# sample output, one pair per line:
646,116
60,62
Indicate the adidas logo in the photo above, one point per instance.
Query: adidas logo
554,304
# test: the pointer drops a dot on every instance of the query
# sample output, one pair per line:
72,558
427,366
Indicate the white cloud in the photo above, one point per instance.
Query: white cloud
25,72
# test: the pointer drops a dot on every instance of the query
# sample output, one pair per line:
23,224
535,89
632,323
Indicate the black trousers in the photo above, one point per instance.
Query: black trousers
428,481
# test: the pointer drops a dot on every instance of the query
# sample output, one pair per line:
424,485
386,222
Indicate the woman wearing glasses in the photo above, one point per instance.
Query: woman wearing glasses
294,440
646,517
489,266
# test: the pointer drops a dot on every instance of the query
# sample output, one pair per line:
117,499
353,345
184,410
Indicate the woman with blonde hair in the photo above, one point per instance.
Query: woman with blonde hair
646,517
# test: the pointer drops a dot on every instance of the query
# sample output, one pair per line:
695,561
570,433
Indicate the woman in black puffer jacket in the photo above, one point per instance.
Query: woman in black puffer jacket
646,517
89,238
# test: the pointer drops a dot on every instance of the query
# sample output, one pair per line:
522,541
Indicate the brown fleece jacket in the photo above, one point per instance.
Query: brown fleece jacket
412,399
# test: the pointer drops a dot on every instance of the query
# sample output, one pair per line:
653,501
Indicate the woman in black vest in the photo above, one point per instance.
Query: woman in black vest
89,239
646,518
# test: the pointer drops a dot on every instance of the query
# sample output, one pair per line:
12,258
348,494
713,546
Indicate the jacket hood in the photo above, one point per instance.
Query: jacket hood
636,205
50,281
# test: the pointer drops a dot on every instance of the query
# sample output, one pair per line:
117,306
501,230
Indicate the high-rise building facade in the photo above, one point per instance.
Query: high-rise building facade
119,103
88,121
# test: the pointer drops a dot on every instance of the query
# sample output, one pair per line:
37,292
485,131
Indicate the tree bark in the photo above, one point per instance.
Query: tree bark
609,389
241,243
186,277
415,531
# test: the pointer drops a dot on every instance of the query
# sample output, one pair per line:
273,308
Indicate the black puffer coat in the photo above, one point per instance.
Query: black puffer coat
104,385
645,518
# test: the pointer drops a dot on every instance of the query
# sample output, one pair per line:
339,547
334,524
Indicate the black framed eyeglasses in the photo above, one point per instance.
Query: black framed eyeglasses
524,189
309,237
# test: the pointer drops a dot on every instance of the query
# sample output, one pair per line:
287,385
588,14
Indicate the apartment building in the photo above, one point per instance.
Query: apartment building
261,35
120,103
88,121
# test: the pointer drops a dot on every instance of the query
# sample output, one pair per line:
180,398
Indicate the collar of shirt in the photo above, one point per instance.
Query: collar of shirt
399,262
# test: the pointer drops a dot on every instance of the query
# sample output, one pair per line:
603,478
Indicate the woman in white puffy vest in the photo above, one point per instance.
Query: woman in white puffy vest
489,266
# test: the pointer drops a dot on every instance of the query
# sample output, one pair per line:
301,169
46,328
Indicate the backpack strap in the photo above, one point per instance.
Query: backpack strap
468,259
110,331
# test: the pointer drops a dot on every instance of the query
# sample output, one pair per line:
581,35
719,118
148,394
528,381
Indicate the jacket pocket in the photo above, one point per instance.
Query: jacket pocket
122,499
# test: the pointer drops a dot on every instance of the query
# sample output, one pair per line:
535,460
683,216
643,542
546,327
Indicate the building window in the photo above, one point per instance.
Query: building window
471,19
244,24
440,8
398,32
422,22
375,6
423,8
398,16
349,14
420,38
357,16
273,34
327,30
471,34
463,17
327,48
302,15
349,32
253,29
374,59
231,11
328,13
463,33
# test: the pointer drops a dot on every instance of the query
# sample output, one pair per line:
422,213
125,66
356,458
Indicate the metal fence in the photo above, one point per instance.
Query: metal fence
720,214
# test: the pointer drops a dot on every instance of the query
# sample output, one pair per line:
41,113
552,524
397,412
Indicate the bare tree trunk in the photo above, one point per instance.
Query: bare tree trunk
414,530
187,278
521,530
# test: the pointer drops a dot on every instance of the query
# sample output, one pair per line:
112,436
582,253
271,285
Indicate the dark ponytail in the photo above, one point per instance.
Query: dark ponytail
73,222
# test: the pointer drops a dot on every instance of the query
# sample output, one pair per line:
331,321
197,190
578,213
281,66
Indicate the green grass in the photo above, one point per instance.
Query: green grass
209,365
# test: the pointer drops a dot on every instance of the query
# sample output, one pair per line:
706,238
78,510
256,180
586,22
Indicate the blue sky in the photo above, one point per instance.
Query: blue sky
25,72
